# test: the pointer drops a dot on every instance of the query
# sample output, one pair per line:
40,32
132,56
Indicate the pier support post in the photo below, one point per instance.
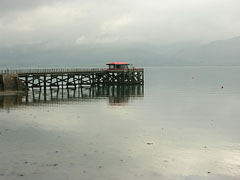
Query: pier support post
45,87
26,82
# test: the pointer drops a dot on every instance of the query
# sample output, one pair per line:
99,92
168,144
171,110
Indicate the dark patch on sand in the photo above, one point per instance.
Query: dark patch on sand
149,143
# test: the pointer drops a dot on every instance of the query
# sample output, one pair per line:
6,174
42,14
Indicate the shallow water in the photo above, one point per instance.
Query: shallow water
184,124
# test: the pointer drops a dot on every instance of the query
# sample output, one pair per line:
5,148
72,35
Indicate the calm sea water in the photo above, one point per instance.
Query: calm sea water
184,124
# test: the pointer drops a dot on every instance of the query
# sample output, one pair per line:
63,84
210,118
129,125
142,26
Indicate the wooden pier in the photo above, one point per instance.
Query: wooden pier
73,77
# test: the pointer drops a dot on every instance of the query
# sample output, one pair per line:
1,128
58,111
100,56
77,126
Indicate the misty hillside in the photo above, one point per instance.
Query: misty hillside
224,52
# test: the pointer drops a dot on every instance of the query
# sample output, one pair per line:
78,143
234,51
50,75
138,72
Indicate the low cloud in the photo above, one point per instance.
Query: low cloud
105,21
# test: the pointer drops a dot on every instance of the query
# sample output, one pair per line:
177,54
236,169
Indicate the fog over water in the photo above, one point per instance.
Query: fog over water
182,124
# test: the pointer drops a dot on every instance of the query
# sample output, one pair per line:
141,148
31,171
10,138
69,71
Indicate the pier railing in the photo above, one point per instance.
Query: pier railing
62,70
49,70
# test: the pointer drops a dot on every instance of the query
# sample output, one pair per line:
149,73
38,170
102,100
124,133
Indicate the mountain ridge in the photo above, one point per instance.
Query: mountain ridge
220,52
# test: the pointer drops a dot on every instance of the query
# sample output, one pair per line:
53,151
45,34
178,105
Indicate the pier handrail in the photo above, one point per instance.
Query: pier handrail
49,70
59,70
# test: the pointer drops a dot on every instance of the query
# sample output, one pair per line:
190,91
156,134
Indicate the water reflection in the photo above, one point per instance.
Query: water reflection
7,102
116,95
182,129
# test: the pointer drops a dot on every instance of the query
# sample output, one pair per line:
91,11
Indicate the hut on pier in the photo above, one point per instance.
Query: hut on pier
118,65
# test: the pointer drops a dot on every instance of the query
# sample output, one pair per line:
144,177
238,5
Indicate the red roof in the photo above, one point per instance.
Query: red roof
112,63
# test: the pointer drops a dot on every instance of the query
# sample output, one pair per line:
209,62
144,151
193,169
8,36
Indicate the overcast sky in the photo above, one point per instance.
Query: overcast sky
77,22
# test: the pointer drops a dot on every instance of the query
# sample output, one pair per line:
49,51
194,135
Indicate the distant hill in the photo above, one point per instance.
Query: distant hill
222,52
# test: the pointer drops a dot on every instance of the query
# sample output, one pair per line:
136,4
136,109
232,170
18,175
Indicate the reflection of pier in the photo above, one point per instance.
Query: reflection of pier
116,95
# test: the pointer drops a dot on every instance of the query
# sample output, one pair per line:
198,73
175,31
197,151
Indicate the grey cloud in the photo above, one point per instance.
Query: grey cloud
9,5
64,25
144,21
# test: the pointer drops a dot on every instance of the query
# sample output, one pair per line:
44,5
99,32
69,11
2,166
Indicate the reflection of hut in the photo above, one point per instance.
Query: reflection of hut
118,101
118,65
